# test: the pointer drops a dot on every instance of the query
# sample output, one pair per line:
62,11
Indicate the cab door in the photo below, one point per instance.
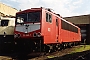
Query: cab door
57,30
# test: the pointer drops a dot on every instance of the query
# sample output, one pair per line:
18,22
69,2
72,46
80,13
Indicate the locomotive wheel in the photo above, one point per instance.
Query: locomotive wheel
46,48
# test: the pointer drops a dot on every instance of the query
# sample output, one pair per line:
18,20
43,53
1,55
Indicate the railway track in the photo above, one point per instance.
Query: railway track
85,56
56,54
47,56
65,55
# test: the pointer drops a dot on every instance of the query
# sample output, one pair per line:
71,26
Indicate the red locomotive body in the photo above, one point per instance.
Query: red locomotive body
42,29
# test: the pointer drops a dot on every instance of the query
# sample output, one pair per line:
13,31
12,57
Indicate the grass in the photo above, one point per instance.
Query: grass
81,48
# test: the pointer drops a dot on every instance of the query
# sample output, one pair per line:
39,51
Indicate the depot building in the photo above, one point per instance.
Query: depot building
6,10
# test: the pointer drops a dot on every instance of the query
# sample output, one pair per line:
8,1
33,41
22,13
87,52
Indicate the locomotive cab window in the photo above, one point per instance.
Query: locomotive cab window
33,17
4,22
21,18
28,17
48,17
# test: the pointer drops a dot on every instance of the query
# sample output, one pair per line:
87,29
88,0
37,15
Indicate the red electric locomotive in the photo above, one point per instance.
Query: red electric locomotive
39,29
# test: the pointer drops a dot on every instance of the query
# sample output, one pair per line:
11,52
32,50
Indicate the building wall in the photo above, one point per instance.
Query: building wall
84,19
7,10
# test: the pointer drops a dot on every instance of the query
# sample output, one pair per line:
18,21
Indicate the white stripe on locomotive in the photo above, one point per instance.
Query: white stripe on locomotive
30,28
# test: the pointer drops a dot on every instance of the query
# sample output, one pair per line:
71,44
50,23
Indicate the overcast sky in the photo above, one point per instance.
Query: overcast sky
65,8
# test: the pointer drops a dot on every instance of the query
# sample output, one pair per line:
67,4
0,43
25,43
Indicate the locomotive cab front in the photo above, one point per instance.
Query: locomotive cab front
27,33
28,24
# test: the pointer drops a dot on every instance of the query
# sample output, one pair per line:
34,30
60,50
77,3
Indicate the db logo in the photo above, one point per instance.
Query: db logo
48,29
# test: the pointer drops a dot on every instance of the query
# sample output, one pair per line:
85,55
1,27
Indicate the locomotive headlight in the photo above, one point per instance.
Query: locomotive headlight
15,35
26,32
39,34
4,34
19,35
34,34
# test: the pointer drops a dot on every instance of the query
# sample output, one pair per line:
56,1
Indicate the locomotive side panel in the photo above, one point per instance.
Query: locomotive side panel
50,28
69,32
55,34
46,27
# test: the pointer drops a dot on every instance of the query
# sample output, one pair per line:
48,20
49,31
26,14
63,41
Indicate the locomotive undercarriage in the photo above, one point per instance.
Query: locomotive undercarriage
6,43
29,45
37,45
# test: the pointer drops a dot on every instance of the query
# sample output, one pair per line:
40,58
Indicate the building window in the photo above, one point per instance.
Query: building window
4,22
